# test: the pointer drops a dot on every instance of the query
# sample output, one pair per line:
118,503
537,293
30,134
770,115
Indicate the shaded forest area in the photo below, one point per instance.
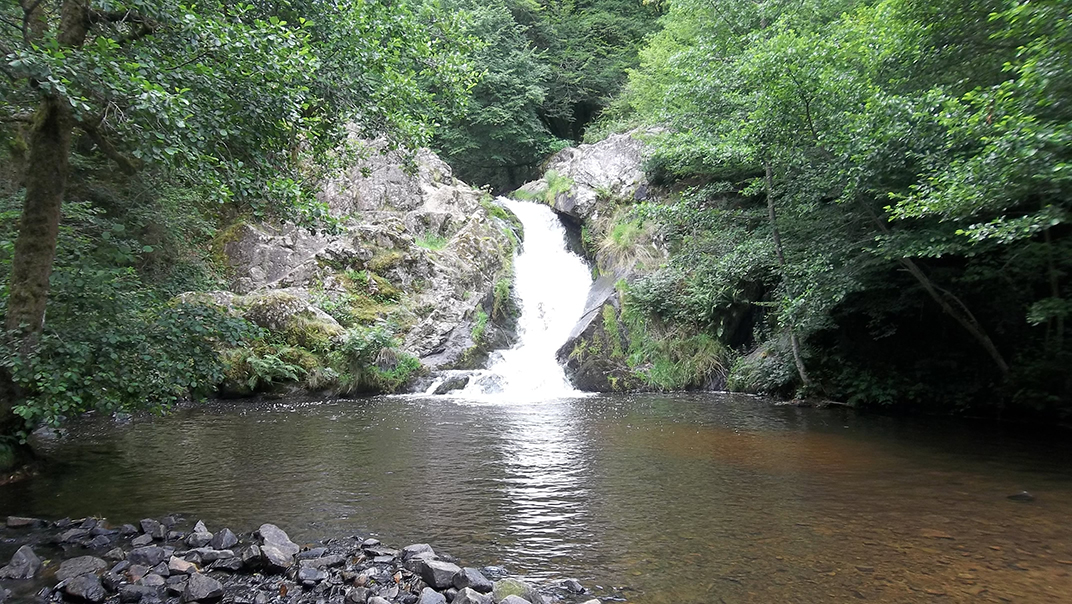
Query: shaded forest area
873,197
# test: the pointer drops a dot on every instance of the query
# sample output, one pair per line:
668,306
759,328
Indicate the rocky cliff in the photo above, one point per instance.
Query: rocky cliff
418,253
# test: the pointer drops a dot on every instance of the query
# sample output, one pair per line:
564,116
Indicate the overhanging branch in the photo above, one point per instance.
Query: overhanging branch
126,165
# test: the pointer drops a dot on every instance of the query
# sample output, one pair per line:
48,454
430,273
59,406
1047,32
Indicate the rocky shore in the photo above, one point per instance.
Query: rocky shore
89,560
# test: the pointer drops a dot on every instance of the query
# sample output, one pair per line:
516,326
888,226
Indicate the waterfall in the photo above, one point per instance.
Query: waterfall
551,284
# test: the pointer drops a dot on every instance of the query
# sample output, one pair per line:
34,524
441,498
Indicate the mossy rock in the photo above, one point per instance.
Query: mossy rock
505,588
298,322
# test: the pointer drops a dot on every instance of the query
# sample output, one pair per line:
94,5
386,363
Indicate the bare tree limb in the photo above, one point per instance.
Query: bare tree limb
18,118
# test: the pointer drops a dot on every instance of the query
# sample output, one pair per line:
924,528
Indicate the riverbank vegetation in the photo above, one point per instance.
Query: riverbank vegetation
133,132
883,185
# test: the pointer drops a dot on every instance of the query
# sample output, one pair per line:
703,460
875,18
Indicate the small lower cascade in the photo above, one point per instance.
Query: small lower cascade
551,283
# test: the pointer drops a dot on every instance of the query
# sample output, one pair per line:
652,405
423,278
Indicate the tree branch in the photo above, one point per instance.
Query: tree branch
20,118
28,12
146,25
126,165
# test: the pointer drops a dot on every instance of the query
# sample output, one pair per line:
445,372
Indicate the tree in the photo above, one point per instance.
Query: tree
226,93
499,140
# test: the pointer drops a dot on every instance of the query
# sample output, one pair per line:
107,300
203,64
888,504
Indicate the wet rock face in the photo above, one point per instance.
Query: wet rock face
258,568
593,357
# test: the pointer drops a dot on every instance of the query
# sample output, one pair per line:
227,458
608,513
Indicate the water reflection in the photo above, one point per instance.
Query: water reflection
544,454
694,498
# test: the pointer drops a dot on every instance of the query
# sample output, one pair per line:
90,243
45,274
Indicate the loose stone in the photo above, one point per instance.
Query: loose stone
431,596
147,556
24,565
471,577
224,539
514,587
136,593
82,565
152,580
412,551
437,574
181,567
149,526
21,522
85,587
468,595
202,588
141,540
276,537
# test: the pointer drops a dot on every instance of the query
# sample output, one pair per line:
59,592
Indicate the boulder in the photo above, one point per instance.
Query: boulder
82,565
87,588
21,522
272,535
506,588
136,593
178,566
431,596
422,550
438,574
468,595
147,556
593,356
202,588
224,539
613,167
472,578
275,560
515,600
451,383
24,564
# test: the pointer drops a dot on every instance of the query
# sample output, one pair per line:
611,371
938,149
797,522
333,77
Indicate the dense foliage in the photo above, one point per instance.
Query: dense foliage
550,68
884,182
132,130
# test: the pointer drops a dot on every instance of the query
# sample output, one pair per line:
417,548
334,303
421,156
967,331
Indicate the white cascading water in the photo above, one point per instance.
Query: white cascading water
551,283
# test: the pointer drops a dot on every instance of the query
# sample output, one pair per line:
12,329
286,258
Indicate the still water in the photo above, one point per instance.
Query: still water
648,498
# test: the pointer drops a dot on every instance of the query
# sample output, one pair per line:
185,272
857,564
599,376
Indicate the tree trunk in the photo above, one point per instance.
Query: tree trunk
35,247
949,303
794,341
46,183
